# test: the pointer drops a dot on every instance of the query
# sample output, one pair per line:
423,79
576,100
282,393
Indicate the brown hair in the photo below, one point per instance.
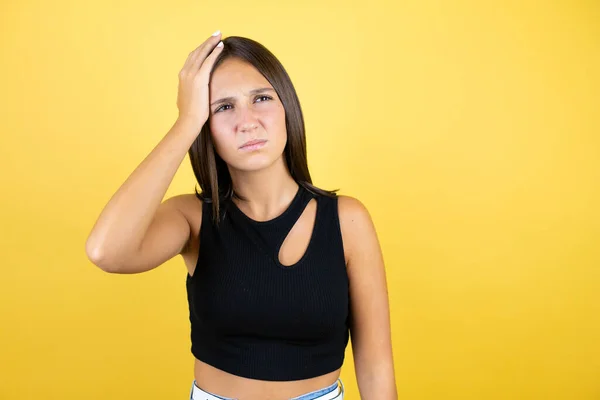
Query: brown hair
209,168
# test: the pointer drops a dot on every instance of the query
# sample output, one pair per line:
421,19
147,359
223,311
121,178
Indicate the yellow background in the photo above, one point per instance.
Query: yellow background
470,129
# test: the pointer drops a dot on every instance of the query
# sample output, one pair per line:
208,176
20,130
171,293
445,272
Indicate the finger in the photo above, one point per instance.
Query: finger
209,43
215,37
199,58
204,70
187,60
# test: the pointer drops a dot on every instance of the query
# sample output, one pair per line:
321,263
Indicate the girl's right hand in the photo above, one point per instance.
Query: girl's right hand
192,96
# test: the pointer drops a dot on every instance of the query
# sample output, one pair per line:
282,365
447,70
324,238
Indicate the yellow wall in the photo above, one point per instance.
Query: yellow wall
470,130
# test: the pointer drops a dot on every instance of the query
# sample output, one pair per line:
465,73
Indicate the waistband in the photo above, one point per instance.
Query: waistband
199,394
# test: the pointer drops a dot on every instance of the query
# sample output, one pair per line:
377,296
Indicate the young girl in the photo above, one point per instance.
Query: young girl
280,272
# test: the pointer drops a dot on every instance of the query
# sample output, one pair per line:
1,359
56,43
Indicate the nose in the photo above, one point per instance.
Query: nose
247,121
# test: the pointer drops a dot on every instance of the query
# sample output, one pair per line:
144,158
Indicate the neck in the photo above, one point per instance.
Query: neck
266,192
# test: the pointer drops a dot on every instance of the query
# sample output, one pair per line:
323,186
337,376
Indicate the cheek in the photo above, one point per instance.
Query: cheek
221,140
274,120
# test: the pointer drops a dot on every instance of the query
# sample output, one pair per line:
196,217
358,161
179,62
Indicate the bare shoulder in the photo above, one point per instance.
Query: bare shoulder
351,207
356,224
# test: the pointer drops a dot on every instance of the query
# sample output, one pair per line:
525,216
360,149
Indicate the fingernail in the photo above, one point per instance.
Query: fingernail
220,44
216,33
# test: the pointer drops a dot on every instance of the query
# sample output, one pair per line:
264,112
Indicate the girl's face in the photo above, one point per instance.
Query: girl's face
247,119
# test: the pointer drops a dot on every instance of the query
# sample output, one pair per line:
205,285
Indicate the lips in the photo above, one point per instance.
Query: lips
253,142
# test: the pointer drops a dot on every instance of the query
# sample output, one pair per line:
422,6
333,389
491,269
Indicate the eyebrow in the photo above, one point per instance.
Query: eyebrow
253,91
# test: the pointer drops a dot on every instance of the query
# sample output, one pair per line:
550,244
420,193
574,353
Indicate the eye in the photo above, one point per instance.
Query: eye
264,97
221,108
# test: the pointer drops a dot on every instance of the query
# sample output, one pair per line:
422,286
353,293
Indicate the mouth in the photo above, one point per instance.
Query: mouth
253,144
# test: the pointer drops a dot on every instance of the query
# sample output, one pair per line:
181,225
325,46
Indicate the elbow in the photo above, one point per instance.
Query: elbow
100,258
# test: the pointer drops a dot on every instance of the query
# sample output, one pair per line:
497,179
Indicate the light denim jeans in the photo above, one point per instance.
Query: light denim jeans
334,391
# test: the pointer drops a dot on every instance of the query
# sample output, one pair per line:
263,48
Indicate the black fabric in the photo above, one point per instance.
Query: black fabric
253,317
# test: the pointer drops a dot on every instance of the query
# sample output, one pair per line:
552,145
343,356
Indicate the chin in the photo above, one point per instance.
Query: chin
255,163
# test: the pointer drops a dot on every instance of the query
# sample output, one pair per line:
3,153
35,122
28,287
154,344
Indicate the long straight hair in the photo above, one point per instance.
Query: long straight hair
209,168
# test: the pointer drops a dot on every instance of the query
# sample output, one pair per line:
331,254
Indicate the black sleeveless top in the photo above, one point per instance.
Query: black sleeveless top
253,317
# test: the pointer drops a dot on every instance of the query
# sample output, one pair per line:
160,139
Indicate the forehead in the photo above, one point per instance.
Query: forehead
234,75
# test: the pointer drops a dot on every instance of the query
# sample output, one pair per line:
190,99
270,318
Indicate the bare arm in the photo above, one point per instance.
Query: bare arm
370,331
134,217
135,232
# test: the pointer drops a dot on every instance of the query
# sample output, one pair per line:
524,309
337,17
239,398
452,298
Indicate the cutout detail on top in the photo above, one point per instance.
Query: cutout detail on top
296,242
